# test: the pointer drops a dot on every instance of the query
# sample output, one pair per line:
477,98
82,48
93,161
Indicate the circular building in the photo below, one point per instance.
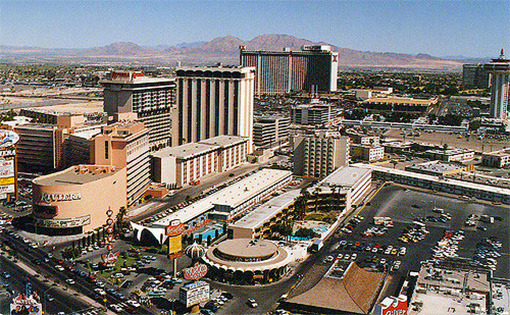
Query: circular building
76,199
246,261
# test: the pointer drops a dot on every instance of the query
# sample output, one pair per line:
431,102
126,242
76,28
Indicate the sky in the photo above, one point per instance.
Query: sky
475,28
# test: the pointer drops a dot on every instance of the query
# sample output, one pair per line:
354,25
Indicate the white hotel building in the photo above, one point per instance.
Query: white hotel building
225,204
188,163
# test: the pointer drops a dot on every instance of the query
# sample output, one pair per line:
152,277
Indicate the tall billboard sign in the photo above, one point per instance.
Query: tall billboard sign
194,293
174,232
8,139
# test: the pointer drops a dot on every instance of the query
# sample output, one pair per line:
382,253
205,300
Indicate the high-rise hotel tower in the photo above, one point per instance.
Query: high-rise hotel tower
153,99
313,68
499,70
214,101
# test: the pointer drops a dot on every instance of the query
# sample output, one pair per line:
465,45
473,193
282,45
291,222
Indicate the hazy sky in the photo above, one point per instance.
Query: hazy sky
450,27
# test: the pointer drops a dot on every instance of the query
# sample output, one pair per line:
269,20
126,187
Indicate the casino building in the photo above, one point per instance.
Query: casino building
246,261
76,199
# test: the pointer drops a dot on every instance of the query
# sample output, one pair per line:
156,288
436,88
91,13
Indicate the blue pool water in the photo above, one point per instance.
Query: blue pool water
320,229
210,232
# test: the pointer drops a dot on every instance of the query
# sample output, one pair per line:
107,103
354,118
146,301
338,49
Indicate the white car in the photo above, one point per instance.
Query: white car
99,291
133,303
252,303
70,281
59,268
354,256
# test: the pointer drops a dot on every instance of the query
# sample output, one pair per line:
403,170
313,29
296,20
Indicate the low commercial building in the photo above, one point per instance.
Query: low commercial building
225,204
367,153
76,199
438,168
446,289
246,261
353,182
398,104
189,163
236,199
451,155
258,222
364,94
346,288
452,186
497,159
270,131
364,139
319,156
313,114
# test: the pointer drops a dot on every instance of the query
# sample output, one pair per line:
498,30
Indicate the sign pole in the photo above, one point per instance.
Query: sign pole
175,267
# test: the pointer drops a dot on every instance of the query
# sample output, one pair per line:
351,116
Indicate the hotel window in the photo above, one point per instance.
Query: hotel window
106,152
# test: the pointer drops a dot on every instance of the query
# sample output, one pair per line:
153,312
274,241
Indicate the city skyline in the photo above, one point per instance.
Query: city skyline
439,28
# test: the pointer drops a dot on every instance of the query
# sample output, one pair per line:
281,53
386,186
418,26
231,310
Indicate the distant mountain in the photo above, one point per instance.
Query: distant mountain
119,49
221,49
189,45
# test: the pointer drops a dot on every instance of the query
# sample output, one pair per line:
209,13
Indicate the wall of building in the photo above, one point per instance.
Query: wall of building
95,198
213,102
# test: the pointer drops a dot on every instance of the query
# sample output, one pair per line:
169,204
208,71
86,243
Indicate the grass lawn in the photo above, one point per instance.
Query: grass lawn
118,265
315,216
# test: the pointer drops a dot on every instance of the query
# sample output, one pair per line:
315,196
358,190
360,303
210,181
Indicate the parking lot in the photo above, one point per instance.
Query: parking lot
405,205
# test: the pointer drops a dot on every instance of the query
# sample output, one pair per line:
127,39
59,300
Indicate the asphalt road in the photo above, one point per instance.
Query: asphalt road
63,302
34,258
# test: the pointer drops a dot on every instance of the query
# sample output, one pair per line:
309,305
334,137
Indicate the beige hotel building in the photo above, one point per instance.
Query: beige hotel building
214,101
76,199
188,163
125,144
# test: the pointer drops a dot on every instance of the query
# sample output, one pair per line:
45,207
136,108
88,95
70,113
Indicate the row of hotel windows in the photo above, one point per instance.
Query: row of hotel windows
194,122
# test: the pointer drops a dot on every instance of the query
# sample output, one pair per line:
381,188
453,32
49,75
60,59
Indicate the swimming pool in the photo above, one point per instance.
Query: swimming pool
320,229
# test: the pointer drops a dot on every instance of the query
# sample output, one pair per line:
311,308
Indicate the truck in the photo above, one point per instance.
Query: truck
316,246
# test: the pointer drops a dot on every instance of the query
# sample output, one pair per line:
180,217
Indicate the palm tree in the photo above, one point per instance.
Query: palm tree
316,192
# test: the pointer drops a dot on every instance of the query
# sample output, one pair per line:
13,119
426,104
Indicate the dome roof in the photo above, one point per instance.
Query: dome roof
194,251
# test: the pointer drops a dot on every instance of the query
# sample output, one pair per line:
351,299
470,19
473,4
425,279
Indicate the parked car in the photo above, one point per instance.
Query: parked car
252,303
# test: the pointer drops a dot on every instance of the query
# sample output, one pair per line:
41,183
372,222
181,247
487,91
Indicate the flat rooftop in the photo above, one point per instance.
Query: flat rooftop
249,187
346,176
447,304
501,153
439,167
72,176
453,278
203,205
433,178
247,248
224,140
450,152
87,134
185,151
138,80
77,108
400,100
267,210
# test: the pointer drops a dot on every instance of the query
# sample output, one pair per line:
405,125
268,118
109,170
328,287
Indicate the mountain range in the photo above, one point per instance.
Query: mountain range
220,50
